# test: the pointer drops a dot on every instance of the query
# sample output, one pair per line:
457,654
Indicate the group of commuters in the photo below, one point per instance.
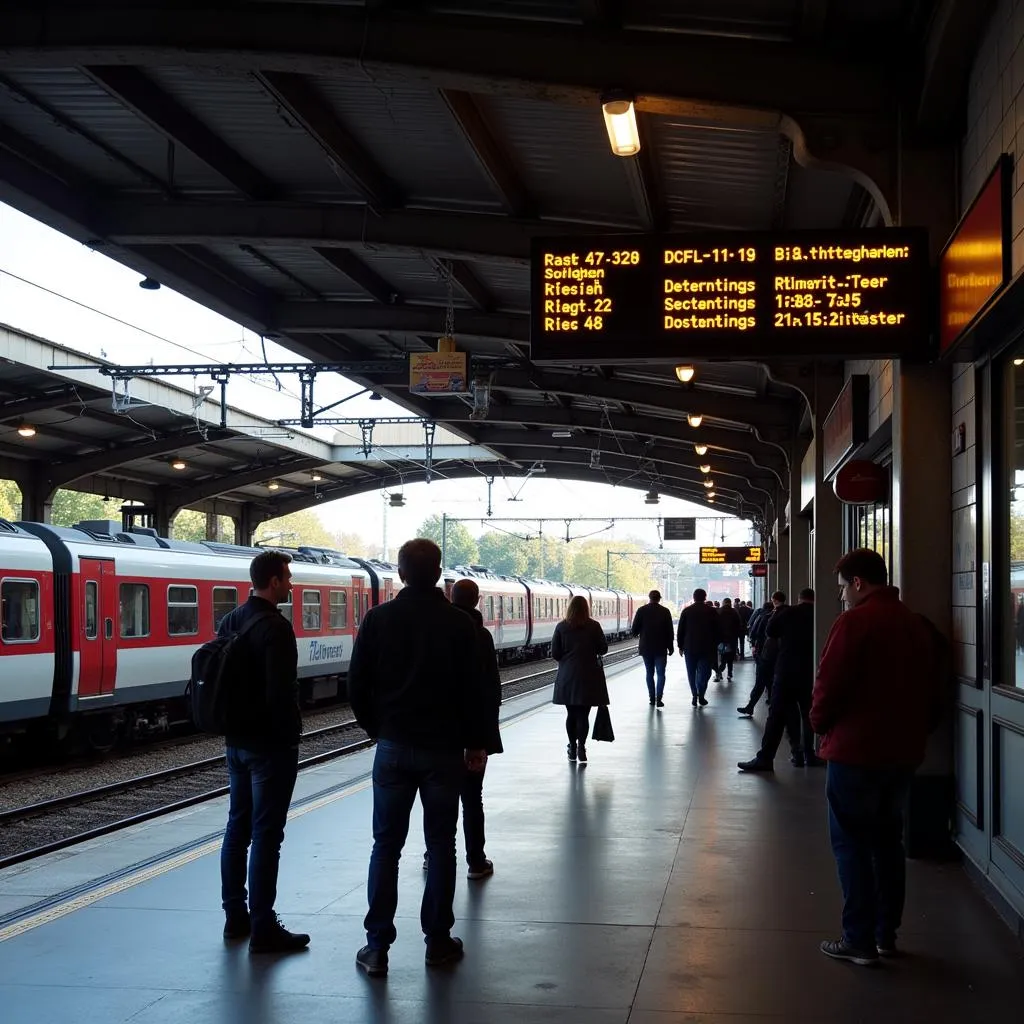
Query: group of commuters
424,683
878,690
431,702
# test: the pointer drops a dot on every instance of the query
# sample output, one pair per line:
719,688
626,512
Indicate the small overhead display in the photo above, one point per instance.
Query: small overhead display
624,298
731,556
684,528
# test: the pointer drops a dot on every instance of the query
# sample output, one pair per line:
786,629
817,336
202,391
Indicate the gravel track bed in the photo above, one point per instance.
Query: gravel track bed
50,826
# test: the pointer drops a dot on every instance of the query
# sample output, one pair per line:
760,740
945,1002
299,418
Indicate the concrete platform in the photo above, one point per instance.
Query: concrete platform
656,885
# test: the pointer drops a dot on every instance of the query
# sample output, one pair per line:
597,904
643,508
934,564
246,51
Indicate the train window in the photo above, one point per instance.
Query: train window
91,611
182,611
355,608
489,615
225,601
338,609
509,608
19,601
366,602
285,607
134,602
520,613
311,610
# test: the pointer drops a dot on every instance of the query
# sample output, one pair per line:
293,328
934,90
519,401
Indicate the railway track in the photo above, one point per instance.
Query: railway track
46,826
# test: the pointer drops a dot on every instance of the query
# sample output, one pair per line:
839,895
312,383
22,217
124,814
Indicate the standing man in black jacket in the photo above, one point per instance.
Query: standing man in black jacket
466,596
263,756
653,625
415,686
697,637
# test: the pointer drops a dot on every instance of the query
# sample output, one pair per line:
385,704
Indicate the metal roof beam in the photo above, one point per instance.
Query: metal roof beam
492,157
328,317
299,96
223,483
356,270
60,473
443,233
144,97
18,408
511,57
468,283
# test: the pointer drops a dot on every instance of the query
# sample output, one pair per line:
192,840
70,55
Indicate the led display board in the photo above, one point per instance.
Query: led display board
731,556
627,298
680,529
976,262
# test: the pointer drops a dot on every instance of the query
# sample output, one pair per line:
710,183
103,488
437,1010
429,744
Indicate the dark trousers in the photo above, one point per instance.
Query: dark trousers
742,643
399,773
788,708
698,671
655,663
763,670
473,816
577,722
261,790
865,825
726,655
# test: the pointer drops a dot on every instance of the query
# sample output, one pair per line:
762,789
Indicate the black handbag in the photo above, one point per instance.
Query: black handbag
603,732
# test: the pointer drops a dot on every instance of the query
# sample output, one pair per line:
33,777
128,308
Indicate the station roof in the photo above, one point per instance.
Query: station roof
338,175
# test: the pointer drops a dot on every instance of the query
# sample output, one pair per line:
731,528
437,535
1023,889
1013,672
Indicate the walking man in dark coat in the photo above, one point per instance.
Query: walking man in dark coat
415,685
466,596
653,625
697,637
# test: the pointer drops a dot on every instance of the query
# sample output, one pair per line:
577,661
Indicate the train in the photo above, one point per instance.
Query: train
98,623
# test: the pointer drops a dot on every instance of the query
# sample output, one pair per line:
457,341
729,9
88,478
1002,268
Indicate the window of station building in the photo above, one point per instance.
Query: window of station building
182,611
92,628
311,610
225,601
1011,672
134,609
338,609
19,611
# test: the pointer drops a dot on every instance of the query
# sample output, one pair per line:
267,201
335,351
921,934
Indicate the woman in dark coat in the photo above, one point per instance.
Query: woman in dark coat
580,684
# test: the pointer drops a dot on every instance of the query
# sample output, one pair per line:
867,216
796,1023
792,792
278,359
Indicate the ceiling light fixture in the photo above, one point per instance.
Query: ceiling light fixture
376,397
685,374
397,500
1018,362
178,464
273,485
700,449
694,419
709,482
620,123
704,467
317,476
651,498
710,495
561,433
27,430
149,284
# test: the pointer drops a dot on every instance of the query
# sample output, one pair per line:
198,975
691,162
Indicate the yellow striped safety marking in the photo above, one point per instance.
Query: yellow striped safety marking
86,899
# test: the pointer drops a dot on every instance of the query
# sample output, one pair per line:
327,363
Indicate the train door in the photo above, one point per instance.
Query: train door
499,621
97,666
357,603
389,589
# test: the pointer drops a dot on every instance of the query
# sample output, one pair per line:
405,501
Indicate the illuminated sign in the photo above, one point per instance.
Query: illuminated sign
437,373
975,264
731,556
846,425
759,571
660,297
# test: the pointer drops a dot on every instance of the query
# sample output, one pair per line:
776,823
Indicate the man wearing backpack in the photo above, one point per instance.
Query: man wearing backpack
263,726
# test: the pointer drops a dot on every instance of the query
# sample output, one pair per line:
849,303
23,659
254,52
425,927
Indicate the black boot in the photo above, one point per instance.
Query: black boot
570,749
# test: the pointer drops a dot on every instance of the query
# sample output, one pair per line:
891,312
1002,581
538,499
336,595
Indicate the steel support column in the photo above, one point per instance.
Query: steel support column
36,495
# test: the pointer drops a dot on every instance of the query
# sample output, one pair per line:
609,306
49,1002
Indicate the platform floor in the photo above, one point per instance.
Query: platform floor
656,885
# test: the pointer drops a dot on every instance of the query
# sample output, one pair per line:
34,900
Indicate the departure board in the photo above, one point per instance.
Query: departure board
628,298
731,556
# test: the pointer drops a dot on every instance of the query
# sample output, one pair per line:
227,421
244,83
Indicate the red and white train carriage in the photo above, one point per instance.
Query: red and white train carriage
98,626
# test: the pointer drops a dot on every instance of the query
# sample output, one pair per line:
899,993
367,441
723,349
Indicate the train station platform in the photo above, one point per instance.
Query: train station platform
655,885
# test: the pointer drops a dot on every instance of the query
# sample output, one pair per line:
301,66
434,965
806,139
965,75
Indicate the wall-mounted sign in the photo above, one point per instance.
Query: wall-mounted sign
437,373
846,425
861,482
976,262
624,298
731,556
759,570
680,529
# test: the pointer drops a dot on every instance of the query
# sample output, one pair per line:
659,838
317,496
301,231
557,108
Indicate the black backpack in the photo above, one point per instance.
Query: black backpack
209,691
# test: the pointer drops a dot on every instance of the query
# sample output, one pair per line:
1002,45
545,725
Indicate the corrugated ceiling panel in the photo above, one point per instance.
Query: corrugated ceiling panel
256,270
563,158
315,271
767,19
75,96
509,283
415,279
244,115
715,176
413,138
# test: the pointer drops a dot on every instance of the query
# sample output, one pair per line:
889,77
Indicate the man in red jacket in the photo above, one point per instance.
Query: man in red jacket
876,698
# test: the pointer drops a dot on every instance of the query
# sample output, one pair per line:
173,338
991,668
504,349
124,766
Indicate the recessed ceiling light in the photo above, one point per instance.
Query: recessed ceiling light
704,467
700,449
694,419
178,464
685,374
273,485
317,476
709,482
27,430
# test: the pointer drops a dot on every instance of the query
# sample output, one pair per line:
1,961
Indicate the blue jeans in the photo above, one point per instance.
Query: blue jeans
698,671
399,773
865,824
261,790
655,663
